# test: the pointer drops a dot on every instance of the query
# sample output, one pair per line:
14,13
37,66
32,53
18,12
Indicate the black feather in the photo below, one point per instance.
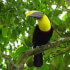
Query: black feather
40,38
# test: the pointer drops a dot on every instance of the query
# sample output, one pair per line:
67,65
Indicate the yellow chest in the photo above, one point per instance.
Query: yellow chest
44,23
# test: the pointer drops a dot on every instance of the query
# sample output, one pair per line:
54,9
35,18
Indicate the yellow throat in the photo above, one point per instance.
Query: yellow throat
44,23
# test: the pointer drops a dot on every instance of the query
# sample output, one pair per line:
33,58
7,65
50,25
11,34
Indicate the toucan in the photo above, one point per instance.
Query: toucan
41,35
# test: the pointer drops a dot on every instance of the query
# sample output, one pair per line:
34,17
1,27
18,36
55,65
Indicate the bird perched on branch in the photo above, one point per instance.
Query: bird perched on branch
42,34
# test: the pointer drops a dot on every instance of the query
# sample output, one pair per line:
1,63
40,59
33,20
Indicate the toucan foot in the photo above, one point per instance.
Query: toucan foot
38,47
49,42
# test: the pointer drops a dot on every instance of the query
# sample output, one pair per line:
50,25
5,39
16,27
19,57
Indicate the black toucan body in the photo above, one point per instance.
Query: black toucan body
42,34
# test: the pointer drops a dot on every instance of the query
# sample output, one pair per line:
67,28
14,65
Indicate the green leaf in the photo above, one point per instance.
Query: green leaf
56,21
36,4
64,17
4,31
12,19
1,26
21,50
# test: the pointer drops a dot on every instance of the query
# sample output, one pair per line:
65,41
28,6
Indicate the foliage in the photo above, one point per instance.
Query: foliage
16,32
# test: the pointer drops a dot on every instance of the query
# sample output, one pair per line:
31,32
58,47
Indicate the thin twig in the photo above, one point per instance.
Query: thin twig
65,9
52,19
7,57
13,65
54,12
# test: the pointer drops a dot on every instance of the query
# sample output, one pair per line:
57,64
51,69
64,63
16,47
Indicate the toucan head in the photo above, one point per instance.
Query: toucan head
35,14
43,21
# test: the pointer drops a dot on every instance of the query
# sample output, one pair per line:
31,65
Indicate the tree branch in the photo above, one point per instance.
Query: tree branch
52,19
36,51
13,65
54,12
65,9
60,52
42,48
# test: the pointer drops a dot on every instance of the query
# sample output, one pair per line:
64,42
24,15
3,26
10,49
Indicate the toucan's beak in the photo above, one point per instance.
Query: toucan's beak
35,14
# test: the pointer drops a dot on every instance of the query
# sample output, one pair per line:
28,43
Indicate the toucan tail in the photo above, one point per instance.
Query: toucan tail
38,60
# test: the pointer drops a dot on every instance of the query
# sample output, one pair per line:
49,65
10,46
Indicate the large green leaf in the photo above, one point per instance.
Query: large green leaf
21,50
4,31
